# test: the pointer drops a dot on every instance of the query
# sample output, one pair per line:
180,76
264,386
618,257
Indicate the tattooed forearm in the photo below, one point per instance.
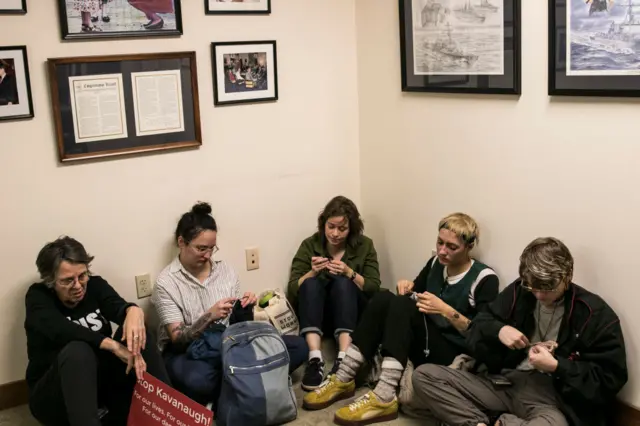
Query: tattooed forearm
182,335
459,321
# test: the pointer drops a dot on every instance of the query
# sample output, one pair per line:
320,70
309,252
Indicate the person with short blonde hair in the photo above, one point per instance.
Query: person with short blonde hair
554,353
423,323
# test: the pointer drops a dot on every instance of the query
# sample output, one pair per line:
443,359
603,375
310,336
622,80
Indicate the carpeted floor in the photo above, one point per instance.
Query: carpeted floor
20,416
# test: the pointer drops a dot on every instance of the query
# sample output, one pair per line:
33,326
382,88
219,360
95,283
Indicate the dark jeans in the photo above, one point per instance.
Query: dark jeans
83,378
200,379
340,301
396,323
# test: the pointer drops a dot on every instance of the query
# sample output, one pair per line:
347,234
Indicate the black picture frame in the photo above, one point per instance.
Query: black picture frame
265,78
21,11
506,83
16,102
128,69
239,11
135,17
565,79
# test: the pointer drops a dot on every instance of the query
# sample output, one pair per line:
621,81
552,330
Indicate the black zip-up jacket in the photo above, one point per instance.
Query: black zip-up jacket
592,365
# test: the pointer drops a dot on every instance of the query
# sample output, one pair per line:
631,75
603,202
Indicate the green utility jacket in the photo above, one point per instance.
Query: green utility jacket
361,257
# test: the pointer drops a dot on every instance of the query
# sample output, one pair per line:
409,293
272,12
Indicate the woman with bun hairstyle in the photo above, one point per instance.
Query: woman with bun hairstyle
196,293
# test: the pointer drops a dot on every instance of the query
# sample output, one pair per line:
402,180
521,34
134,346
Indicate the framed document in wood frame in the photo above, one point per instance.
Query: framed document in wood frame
124,104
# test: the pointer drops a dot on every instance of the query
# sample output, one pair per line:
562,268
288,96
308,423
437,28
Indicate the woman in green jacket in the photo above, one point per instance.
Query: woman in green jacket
333,274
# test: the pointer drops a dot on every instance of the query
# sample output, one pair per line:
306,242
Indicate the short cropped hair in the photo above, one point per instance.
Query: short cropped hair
464,226
55,252
545,263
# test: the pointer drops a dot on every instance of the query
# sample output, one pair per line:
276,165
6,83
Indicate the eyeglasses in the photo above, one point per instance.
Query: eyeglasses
70,281
556,289
204,249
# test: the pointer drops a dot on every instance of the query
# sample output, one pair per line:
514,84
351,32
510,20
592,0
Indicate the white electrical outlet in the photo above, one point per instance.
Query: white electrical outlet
143,285
253,258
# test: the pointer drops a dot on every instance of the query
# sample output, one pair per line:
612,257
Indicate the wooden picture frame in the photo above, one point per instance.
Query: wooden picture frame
460,46
123,104
104,21
16,102
592,52
242,7
13,7
244,72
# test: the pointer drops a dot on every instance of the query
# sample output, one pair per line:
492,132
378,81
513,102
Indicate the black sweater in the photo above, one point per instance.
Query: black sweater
592,365
50,325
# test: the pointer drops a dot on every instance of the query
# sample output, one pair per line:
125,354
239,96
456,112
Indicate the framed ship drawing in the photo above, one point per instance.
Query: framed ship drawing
460,46
594,48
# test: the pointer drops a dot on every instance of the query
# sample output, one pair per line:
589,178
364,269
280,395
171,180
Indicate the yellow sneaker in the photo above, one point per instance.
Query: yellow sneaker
330,391
366,410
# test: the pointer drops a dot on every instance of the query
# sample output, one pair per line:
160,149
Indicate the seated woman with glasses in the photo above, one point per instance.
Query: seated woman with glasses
195,296
424,323
75,366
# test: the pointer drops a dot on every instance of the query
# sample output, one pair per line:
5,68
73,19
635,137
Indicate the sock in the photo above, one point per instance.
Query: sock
315,354
350,364
390,377
341,355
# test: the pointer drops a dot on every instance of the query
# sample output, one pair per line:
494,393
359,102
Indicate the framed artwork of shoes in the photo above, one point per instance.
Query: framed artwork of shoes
90,19
13,7
244,71
228,7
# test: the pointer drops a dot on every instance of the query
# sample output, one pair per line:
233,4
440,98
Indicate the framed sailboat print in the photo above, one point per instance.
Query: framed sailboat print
594,48
460,46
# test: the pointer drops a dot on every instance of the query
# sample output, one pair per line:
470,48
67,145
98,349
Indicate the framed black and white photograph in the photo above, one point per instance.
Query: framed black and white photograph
13,7
91,19
15,88
460,46
227,7
122,104
594,48
244,72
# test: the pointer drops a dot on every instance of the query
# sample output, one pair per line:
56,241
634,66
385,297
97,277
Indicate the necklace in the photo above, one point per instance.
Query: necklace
543,338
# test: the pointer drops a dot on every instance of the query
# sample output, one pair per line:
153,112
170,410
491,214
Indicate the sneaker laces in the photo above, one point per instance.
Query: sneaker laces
325,385
360,402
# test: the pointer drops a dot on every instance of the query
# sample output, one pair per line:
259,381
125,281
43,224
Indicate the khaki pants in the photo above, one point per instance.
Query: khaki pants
462,399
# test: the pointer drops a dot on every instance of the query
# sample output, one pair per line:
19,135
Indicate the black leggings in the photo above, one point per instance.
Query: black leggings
396,323
81,378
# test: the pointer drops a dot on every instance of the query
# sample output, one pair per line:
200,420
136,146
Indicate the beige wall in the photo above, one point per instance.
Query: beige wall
267,169
522,167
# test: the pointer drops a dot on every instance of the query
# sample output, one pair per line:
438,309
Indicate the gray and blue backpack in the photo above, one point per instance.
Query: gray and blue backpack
256,388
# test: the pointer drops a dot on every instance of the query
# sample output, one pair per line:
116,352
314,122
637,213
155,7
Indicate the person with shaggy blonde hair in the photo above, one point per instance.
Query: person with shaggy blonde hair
423,323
